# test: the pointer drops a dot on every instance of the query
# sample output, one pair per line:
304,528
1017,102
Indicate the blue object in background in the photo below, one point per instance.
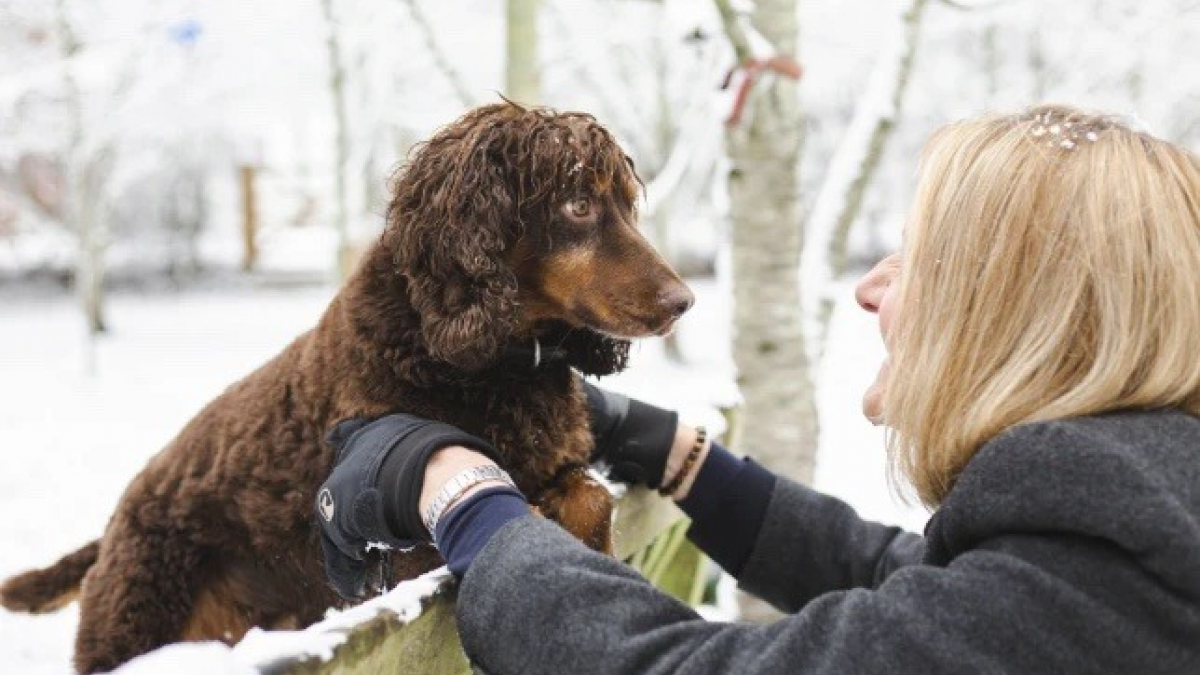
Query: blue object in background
185,32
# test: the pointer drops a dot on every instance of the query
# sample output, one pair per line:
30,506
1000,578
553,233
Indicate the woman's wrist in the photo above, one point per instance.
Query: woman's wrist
686,438
448,462
464,525
443,466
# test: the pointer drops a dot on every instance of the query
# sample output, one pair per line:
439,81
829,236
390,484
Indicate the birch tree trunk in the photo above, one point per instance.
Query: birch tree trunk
84,187
90,268
522,79
779,422
341,150
779,416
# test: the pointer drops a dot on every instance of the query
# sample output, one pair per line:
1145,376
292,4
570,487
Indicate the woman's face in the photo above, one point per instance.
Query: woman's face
876,293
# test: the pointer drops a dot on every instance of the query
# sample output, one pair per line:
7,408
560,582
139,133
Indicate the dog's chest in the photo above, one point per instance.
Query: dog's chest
539,432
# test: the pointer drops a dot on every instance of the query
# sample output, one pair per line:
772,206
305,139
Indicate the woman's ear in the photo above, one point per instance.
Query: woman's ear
451,222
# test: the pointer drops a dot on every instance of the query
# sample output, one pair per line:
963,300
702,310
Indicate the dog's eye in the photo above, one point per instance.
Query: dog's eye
579,208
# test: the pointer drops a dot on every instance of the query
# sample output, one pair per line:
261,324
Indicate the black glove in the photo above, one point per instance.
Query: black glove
369,503
634,438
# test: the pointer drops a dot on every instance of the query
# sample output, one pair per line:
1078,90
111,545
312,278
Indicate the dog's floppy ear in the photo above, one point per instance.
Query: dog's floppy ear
453,217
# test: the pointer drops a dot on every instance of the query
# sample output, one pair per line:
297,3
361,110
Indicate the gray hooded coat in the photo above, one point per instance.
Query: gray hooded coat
1070,546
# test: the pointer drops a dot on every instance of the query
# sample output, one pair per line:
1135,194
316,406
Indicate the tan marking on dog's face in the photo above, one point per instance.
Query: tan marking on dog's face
591,267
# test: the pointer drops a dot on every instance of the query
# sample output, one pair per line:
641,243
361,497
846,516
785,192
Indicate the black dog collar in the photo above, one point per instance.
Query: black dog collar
533,356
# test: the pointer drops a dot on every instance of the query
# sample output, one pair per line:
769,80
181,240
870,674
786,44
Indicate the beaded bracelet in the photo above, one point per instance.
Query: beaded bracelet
693,454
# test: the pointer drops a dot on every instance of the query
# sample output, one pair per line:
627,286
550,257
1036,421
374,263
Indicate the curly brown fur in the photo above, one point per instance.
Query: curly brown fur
468,195
484,251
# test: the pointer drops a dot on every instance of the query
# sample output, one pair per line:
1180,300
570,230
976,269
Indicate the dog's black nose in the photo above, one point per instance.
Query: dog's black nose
677,300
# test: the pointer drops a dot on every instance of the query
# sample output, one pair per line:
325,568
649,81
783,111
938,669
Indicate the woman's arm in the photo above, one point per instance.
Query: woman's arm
737,517
537,602
811,543
784,542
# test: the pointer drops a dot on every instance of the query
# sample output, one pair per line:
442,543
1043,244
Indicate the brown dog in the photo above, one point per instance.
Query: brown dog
510,258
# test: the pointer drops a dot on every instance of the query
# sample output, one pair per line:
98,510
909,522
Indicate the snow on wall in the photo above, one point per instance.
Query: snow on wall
263,648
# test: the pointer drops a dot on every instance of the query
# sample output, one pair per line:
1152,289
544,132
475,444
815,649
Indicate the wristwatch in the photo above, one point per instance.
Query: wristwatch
455,487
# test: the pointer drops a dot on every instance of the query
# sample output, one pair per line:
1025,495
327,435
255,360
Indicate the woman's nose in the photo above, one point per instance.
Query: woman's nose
869,291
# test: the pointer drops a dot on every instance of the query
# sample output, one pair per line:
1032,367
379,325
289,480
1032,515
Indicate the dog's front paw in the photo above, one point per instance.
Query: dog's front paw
582,506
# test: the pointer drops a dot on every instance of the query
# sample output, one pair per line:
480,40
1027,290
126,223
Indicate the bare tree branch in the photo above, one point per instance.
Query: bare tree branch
522,67
625,118
972,6
853,167
461,91
681,155
81,195
337,93
734,30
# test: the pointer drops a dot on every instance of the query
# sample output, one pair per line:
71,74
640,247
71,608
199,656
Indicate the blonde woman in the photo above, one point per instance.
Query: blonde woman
1043,392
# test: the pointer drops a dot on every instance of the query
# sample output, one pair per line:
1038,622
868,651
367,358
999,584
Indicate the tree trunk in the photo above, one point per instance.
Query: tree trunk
84,188
522,79
89,274
993,61
779,418
341,150
246,175
780,421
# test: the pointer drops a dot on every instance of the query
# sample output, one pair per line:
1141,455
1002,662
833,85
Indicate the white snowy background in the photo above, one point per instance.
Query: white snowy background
178,92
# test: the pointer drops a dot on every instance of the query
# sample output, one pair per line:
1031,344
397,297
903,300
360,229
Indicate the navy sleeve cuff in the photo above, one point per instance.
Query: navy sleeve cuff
463,532
727,504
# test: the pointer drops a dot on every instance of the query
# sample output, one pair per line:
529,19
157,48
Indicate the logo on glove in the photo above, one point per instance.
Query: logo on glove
325,503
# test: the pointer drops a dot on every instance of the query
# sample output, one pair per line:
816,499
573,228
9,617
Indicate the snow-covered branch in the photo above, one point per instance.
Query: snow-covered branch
693,143
971,6
853,166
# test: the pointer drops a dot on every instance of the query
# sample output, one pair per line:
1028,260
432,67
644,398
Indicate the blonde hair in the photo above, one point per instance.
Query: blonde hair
1051,268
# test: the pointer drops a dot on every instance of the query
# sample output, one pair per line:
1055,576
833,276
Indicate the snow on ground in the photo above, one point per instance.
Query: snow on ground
70,441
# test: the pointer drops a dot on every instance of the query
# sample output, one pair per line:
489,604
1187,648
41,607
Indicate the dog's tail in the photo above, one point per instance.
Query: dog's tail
49,589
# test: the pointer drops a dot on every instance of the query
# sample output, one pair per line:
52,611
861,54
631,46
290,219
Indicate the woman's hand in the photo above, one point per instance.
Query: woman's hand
373,497
632,437
643,444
